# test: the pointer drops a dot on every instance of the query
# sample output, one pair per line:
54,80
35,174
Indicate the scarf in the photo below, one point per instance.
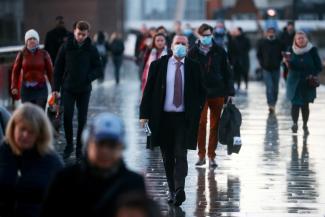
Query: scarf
205,49
33,50
152,57
298,51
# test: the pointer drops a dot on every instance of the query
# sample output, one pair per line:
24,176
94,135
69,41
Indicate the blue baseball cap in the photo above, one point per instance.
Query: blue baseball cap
107,126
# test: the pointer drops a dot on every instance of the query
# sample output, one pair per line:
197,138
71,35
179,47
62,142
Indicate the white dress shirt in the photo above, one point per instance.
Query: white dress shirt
170,82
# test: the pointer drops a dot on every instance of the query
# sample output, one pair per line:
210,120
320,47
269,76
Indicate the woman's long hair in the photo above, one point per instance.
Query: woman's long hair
38,123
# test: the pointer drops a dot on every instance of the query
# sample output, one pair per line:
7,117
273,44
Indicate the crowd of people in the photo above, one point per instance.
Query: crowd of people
183,74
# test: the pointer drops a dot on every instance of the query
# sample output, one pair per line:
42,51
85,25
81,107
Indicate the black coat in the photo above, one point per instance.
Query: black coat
53,41
217,77
244,45
24,180
269,54
287,38
153,99
79,191
117,47
76,67
4,118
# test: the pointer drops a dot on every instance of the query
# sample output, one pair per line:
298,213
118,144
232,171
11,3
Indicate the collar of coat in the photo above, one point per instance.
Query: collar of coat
214,48
72,43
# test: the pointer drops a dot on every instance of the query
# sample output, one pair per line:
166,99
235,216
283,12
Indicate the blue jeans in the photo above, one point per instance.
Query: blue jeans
271,79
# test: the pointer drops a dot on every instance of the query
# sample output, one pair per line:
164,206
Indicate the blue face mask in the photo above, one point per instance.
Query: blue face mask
206,40
187,32
179,51
220,30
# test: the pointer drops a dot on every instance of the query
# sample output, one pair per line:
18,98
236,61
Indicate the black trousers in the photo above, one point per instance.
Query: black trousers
117,61
40,102
81,100
174,152
304,110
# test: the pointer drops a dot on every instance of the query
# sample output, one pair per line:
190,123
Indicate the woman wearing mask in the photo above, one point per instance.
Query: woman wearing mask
218,84
304,66
31,67
27,162
157,50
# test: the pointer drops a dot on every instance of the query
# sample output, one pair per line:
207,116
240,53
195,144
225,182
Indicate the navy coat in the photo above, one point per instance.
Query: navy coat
24,180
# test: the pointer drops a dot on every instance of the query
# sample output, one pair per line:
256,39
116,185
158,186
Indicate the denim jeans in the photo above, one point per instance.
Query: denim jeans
271,79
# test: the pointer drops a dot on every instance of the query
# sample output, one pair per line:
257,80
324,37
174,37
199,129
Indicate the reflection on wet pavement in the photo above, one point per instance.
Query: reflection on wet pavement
275,174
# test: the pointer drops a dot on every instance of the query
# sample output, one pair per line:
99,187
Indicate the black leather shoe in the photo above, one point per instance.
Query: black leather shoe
180,197
67,151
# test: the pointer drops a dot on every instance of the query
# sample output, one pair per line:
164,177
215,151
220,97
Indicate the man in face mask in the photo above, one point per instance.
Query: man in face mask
269,55
171,105
218,85
188,32
220,34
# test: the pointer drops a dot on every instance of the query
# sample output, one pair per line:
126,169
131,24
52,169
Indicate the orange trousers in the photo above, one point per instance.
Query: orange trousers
215,105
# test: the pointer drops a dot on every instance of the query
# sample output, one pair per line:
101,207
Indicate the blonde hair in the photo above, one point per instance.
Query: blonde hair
39,124
300,33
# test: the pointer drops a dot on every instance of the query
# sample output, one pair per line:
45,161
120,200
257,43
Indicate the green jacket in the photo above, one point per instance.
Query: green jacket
300,67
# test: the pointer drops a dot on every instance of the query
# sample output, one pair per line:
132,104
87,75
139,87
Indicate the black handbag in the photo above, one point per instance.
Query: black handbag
313,81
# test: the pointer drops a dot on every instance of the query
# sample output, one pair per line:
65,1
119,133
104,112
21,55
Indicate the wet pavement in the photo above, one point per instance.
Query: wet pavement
275,174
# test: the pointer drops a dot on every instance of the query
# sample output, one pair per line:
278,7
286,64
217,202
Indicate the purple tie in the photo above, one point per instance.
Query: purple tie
178,86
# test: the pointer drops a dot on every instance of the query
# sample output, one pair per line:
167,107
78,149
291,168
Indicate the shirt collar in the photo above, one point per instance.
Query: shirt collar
174,60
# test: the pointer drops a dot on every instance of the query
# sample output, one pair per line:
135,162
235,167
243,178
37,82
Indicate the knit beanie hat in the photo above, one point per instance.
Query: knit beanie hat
31,34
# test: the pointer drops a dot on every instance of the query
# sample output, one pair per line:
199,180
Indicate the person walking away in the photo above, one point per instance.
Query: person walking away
234,55
244,48
93,187
304,66
77,65
269,55
102,46
218,85
32,67
55,38
158,49
117,50
27,162
171,105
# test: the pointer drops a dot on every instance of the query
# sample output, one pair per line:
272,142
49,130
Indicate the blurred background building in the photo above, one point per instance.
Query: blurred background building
16,16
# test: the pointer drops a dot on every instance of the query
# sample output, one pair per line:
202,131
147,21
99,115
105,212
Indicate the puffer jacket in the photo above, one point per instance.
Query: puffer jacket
34,67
